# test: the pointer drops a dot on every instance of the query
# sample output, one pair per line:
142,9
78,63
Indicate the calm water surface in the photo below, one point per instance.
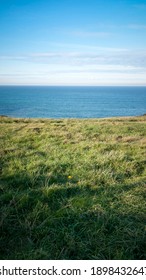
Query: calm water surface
71,102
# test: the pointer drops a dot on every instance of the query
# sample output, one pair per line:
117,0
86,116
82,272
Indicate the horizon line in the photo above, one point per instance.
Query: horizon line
61,85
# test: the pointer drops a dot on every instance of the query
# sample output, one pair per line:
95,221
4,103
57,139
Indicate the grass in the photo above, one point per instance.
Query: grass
73,189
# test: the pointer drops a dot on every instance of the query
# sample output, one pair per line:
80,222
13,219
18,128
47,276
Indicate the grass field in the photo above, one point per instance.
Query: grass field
73,189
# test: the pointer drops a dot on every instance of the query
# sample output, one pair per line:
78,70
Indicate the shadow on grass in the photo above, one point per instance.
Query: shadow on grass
66,221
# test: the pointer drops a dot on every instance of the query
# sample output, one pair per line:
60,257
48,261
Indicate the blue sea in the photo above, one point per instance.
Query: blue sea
71,102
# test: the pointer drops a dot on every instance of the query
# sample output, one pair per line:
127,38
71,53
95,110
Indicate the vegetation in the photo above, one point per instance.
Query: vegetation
73,188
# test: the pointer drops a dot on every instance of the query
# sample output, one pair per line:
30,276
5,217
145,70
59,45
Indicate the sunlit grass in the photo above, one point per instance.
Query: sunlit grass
73,189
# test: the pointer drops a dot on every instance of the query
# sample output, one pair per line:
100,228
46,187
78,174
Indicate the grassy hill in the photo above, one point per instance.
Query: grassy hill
73,188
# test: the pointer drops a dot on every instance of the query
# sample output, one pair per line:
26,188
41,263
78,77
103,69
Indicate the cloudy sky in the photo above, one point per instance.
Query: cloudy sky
73,42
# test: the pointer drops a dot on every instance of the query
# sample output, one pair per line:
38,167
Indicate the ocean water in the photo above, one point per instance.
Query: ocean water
71,102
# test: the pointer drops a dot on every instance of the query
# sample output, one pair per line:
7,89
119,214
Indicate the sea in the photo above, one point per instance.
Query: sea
72,101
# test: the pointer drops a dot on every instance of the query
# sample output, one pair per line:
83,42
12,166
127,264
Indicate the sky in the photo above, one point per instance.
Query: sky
73,42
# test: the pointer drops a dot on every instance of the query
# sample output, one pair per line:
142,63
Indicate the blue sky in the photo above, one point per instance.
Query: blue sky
72,42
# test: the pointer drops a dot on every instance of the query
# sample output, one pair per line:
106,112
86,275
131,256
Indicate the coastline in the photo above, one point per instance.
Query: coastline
99,118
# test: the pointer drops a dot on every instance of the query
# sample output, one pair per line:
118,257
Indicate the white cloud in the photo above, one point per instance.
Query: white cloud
99,56
101,66
105,78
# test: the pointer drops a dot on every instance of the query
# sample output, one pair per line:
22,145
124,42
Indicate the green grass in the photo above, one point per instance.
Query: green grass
73,189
